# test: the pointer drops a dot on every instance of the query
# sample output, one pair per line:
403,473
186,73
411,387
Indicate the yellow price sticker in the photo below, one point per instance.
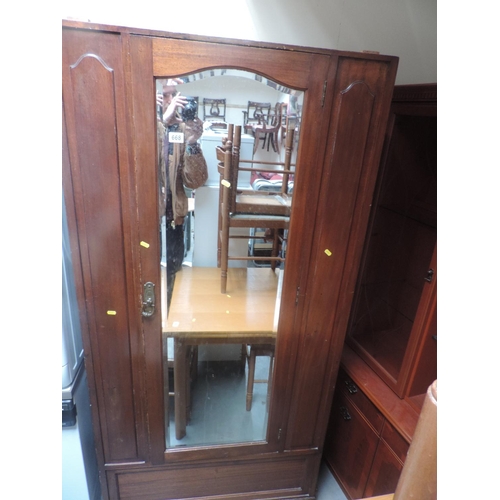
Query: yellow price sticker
328,252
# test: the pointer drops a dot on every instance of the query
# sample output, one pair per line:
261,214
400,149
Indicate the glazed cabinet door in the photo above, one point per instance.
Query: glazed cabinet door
393,300
172,58
97,173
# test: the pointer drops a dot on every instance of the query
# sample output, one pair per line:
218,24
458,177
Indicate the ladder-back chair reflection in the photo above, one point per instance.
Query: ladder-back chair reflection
249,208
290,120
269,129
256,112
214,112
252,351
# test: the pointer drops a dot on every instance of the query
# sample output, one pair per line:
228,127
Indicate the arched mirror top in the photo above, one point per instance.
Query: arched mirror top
181,57
207,73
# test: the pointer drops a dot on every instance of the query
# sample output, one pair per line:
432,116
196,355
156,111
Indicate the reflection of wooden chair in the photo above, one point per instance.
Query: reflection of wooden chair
290,120
256,112
249,208
253,351
214,111
269,129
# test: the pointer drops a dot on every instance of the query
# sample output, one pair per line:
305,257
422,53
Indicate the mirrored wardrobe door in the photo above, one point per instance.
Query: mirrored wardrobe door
220,349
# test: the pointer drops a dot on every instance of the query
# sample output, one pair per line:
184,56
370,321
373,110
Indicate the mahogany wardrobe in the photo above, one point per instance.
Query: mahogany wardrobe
340,103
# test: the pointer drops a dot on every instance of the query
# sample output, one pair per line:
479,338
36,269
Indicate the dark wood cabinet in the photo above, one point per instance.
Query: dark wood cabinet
111,190
391,343
362,448
352,438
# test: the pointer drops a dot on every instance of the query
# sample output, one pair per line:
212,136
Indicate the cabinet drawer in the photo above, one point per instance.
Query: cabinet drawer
395,441
358,398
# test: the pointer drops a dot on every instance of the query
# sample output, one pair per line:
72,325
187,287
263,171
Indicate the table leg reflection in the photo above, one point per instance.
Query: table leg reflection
181,387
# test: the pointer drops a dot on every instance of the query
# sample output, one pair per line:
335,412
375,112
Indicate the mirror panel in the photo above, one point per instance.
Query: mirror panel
210,338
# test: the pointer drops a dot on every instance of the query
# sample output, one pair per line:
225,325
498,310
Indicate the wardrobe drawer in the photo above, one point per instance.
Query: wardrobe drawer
358,399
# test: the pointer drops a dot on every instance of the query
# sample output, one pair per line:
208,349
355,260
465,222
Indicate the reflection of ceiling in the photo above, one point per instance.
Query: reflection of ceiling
235,72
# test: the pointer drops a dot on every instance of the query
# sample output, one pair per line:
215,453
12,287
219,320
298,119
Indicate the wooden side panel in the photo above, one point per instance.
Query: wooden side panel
361,99
93,90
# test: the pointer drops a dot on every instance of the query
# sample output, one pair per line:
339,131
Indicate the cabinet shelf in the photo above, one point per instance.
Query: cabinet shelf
418,213
386,347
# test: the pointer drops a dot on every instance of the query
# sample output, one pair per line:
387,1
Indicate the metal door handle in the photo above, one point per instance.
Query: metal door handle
148,302
351,387
345,413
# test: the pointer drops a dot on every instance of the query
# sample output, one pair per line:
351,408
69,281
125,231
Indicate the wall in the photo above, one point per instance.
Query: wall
236,91
404,28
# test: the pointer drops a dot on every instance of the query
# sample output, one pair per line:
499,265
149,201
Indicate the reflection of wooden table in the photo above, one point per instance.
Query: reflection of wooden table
200,313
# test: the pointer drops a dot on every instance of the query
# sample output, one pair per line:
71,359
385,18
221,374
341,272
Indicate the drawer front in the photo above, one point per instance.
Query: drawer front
359,399
243,480
395,441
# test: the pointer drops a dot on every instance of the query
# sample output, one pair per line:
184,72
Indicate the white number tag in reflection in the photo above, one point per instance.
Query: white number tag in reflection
176,137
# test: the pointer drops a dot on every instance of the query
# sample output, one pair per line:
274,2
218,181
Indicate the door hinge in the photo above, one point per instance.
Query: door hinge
324,94
279,434
297,295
